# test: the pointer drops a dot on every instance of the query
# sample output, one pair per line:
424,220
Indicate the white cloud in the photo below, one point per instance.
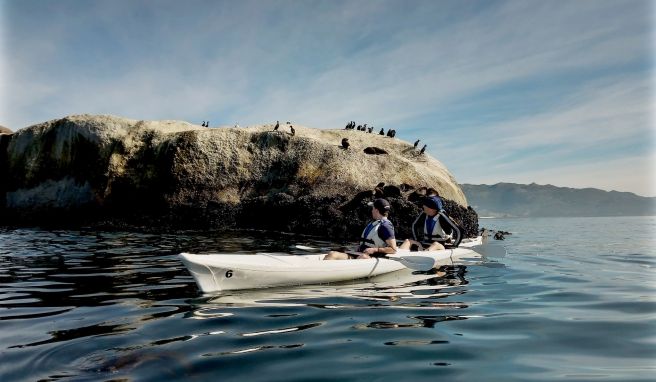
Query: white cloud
602,113
323,66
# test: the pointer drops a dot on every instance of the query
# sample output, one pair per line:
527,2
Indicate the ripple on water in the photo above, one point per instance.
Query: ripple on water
99,306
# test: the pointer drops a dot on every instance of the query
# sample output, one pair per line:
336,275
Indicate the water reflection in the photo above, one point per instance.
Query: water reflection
120,306
168,363
281,330
398,289
421,322
104,304
254,349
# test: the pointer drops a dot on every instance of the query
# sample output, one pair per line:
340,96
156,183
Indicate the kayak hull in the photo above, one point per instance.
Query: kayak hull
224,271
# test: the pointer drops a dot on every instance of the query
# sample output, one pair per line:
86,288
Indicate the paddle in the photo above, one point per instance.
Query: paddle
419,263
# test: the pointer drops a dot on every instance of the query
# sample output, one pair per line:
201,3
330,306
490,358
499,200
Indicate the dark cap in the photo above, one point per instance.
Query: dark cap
380,204
433,202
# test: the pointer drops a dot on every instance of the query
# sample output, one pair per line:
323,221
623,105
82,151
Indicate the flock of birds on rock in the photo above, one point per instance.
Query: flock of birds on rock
369,129
422,149
277,126
349,126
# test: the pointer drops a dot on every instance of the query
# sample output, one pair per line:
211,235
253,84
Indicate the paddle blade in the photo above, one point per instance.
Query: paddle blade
490,250
418,263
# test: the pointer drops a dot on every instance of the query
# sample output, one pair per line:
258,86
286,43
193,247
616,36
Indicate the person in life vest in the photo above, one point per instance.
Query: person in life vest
432,227
377,239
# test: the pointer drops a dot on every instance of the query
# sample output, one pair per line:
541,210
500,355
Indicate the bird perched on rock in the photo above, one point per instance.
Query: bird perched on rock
276,126
417,142
422,150
292,128
203,124
345,143
382,131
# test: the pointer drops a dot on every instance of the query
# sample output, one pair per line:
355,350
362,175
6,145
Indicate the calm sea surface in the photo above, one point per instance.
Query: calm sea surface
574,299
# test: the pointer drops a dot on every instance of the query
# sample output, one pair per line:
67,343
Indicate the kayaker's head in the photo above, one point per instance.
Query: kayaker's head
381,208
432,205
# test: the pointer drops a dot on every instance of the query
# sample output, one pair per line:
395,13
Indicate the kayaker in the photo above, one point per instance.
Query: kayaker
376,239
426,229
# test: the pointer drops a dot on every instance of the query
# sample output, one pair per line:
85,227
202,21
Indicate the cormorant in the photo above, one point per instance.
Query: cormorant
277,126
417,142
382,131
422,150
293,131
345,143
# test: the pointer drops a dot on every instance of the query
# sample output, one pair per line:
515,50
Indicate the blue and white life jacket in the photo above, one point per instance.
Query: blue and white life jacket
456,232
433,229
437,231
370,238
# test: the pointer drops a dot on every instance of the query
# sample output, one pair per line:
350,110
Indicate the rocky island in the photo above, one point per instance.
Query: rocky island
112,172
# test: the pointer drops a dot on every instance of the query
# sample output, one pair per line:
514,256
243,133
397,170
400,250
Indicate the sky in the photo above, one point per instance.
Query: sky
551,92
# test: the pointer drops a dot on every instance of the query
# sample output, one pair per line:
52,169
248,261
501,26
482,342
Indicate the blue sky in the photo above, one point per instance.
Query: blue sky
552,92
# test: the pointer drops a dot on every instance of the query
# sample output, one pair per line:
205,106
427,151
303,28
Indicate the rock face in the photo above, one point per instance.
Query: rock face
170,174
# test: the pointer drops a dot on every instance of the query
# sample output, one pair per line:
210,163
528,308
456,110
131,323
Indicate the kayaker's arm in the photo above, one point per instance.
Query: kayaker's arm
391,246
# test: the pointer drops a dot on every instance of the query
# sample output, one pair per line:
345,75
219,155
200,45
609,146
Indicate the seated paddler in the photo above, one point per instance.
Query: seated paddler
377,239
432,229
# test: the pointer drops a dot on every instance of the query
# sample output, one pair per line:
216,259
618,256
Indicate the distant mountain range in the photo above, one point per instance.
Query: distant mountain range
534,200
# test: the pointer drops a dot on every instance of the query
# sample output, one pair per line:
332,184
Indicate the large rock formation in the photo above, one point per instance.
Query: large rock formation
114,171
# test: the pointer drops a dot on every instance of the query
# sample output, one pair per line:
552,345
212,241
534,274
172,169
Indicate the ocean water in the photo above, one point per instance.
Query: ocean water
574,299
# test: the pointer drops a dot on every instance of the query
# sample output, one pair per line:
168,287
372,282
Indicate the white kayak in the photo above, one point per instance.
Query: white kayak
224,271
